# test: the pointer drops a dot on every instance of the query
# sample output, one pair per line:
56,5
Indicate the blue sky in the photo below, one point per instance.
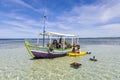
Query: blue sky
86,18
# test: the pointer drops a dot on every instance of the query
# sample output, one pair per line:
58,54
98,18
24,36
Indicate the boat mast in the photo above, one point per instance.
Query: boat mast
44,17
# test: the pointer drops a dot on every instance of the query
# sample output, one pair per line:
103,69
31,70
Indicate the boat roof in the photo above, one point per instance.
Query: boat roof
57,34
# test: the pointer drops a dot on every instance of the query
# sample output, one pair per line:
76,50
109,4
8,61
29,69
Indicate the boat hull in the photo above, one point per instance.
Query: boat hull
43,53
47,55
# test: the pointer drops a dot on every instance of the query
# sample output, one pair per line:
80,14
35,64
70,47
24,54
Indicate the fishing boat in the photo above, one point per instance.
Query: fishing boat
53,48
57,45
41,53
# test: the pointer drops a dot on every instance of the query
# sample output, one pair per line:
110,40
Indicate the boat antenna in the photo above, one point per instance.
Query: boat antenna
44,18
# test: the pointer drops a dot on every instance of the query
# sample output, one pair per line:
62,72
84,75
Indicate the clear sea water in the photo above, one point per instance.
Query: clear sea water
17,64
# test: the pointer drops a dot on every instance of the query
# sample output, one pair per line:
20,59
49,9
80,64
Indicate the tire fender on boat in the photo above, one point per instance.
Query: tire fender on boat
50,50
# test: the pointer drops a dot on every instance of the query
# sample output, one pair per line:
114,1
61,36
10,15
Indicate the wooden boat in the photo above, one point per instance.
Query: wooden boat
42,53
53,49
48,51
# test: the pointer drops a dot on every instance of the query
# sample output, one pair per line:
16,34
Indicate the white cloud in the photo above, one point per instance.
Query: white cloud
57,25
19,26
20,2
108,30
110,12
14,33
86,20
38,10
112,27
92,14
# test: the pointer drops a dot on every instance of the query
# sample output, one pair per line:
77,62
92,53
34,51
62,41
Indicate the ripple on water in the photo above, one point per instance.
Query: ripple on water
16,65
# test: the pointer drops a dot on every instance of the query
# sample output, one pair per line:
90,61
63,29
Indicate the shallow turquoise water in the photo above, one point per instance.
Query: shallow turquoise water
16,64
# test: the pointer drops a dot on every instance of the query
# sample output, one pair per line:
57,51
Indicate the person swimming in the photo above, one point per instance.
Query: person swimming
93,59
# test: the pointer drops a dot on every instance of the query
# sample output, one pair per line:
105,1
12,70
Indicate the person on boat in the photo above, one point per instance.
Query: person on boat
66,44
60,43
48,44
51,48
55,44
73,50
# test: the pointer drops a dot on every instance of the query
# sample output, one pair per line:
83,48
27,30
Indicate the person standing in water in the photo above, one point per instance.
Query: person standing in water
76,49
